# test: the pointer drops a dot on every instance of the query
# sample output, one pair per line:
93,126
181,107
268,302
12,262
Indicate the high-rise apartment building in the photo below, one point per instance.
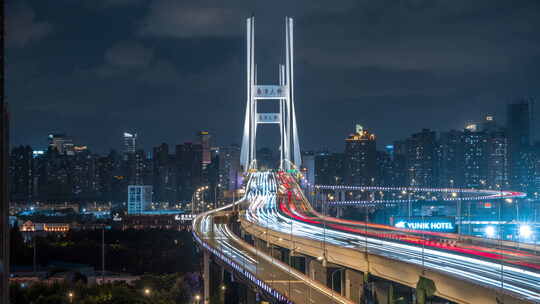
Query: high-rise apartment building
451,159
308,166
230,172
360,162
519,140
164,177
329,168
189,170
421,163
497,163
475,158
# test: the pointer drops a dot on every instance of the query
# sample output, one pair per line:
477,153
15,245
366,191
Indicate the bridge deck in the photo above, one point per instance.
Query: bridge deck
290,283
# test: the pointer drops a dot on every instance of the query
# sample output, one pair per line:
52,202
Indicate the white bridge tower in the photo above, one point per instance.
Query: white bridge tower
282,93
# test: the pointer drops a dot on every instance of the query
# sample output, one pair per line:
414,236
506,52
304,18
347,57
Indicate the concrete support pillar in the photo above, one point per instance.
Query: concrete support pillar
206,276
383,290
299,263
251,296
354,281
317,272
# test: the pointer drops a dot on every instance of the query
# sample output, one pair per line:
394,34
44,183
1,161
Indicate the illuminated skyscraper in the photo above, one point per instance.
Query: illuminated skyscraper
204,140
361,158
130,142
475,158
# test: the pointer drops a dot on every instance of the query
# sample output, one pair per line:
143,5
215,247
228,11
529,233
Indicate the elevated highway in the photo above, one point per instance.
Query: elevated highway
461,274
265,273
277,215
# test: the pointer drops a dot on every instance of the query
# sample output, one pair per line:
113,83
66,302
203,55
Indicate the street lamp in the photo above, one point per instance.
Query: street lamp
197,298
147,291
70,296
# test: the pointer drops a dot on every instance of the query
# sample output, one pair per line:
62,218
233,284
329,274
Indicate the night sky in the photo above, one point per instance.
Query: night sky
165,69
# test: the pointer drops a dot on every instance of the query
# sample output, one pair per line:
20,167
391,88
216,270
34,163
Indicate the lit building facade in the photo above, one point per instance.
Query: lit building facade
360,162
139,198
230,171
130,142
421,162
475,158
204,140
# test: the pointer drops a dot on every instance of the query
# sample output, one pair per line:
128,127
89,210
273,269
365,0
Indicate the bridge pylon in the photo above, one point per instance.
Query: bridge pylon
283,93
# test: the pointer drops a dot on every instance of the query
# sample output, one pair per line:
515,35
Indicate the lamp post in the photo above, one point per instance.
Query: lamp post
197,195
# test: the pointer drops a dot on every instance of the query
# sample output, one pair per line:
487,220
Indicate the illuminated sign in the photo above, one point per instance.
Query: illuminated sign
429,224
268,118
269,91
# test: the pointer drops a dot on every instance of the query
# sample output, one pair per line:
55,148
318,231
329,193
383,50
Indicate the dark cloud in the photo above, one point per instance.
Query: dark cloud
23,28
168,68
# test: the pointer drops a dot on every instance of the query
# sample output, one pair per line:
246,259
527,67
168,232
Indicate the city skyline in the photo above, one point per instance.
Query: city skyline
407,159
386,59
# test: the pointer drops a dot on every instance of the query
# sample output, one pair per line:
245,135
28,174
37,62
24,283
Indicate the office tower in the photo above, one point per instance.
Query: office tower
421,159
360,161
139,198
61,143
204,140
329,168
130,143
518,132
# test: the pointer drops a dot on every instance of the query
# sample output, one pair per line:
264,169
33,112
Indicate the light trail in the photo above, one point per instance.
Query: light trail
264,211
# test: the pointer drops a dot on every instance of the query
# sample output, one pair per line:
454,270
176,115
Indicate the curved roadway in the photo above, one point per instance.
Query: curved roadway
513,271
